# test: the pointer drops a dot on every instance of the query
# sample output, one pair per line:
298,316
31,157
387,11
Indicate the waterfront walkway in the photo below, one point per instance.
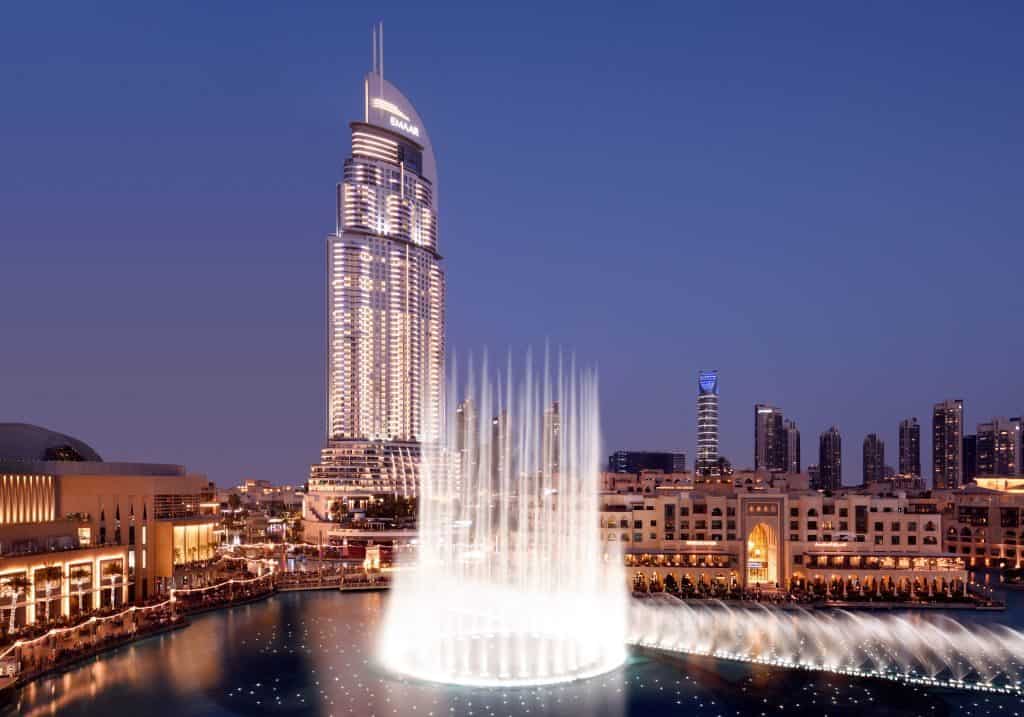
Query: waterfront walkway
57,648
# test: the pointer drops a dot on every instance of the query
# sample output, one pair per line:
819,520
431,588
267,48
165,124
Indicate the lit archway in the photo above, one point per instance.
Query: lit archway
762,555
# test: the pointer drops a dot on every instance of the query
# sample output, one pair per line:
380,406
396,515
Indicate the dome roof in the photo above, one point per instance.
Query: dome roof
25,442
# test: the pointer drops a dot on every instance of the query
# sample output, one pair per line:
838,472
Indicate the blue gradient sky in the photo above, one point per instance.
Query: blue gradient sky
822,202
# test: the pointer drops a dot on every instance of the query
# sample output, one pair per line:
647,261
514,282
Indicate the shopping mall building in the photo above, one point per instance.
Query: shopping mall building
78,533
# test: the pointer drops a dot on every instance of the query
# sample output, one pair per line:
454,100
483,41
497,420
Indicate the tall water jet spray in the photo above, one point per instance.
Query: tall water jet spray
511,582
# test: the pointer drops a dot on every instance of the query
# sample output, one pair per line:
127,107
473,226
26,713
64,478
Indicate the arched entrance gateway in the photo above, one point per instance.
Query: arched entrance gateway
762,556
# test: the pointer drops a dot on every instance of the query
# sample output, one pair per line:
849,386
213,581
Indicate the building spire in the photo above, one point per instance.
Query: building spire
377,59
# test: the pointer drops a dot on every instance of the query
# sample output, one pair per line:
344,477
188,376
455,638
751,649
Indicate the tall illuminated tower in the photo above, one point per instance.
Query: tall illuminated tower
947,444
707,422
385,301
910,447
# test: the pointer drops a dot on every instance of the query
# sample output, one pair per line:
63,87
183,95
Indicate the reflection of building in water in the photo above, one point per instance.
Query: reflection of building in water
78,533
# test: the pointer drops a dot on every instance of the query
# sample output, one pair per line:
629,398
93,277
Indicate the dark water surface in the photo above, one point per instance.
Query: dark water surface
312,654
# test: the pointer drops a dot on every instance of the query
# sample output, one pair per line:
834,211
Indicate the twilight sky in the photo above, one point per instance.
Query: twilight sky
823,202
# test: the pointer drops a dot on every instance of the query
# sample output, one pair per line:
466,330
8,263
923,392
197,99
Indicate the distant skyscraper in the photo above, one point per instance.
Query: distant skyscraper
385,301
999,447
551,444
830,460
636,461
466,427
970,454
707,422
910,447
947,444
769,438
792,435
500,432
874,458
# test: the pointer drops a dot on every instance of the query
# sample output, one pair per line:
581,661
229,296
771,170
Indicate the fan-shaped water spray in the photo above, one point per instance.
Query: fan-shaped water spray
511,583
923,650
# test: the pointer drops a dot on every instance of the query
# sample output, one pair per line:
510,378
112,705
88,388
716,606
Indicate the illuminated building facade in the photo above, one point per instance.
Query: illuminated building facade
385,305
637,461
998,445
830,461
78,533
910,447
769,438
947,444
873,458
707,422
791,436
849,543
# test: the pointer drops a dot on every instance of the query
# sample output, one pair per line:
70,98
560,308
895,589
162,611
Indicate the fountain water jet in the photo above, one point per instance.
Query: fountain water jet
511,584
931,651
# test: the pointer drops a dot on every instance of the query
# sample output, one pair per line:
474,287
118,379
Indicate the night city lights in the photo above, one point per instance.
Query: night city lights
698,394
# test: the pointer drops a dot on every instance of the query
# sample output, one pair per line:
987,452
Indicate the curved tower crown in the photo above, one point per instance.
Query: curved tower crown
385,282
387,108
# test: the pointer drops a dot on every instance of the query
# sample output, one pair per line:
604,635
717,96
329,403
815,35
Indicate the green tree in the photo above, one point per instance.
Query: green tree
671,586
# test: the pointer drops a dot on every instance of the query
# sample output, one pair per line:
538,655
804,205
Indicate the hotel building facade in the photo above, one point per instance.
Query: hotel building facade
772,532
385,308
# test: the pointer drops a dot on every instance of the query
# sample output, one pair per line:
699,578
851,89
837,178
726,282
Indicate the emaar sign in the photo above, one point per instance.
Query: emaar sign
406,127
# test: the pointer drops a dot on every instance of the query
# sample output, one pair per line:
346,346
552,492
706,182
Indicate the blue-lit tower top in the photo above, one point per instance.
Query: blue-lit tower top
707,422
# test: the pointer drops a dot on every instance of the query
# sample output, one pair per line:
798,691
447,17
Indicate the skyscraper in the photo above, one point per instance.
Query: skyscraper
813,475
636,461
707,422
385,300
947,444
999,447
792,440
769,438
551,440
830,460
910,447
970,448
873,458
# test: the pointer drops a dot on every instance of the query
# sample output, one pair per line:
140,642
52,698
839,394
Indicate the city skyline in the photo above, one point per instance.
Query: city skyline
200,333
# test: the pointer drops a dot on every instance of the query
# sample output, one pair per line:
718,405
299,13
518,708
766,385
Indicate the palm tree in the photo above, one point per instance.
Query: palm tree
112,570
78,576
50,573
15,585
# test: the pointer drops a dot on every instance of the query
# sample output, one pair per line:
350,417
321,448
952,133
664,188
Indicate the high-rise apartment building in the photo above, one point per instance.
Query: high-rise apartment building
873,459
970,453
830,460
385,301
551,441
947,444
636,461
707,422
999,447
910,447
769,438
813,475
792,440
